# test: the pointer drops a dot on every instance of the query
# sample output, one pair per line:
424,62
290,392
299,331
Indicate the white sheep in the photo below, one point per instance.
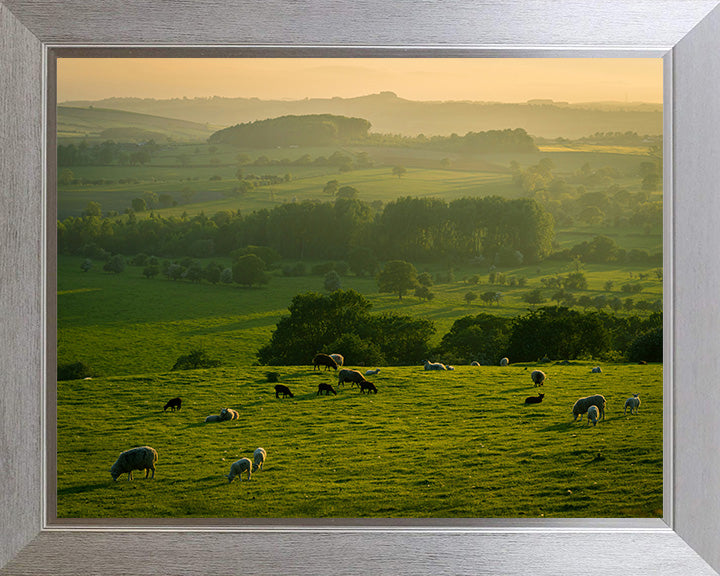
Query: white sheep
372,372
237,468
213,418
434,365
538,377
141,458
474,363
582,405
259,458
339,360
593,414
633,403
504,362
596,370
450,367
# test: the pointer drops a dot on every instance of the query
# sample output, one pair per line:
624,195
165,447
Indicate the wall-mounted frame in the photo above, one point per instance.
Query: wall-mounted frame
684,32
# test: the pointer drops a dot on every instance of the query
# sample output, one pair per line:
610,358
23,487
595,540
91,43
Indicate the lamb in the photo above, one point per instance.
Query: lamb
633,403
324,360
450,367
213,418
327,388
237,468
372,372
582,405
339,359
474,363
538,377
229,414
596,370
352,376
434,365
592,415
534,399
284,390
504,362
141,458
259,458
369,386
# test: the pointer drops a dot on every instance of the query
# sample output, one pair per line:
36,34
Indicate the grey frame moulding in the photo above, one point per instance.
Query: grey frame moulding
686,543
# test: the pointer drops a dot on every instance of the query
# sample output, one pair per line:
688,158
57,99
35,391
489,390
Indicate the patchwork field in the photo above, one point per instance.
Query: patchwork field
428,444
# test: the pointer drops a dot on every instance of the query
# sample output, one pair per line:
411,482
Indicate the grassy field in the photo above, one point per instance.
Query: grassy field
126,324
191,187
429,444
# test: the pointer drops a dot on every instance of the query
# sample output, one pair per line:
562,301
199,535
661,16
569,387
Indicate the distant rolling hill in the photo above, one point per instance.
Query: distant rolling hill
93,123
388,113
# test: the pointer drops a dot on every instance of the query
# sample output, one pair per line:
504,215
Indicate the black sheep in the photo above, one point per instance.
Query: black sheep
534,399
173,403
284,390
369,386
327,388
324,360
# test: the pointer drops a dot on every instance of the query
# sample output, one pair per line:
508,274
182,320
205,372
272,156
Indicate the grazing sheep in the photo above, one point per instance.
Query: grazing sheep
372,372
324,360
450,367
592,415
538,377
237,468
352,376
229,414
596,370
633,403
582,405
284,390
504,362
213,418
474,363
434,365
327,388
259,458
173,403
369,386
534,399
141,458
339,359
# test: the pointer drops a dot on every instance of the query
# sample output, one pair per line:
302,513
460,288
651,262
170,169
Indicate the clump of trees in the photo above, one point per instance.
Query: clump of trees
341,321
555,332
307,130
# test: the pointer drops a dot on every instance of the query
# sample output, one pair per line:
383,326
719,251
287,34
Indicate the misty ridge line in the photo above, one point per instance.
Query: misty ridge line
389,113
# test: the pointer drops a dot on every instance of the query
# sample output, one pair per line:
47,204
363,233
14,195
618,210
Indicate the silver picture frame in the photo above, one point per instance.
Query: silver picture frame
682,32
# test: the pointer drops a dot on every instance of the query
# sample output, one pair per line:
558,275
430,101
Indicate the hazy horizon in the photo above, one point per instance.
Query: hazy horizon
572,80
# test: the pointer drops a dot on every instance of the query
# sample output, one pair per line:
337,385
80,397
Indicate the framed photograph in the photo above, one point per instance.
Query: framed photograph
662,502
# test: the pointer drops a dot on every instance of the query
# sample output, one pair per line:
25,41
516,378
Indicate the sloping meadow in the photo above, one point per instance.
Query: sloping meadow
450,444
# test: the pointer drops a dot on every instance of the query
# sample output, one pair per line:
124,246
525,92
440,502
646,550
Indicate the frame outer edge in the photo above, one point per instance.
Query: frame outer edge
21,229
696,68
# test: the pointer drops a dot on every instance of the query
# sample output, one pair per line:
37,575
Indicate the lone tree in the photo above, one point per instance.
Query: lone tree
397,276
399,171
249,270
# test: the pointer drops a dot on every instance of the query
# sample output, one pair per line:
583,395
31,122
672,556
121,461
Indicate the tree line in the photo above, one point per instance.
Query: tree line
420,229
342,322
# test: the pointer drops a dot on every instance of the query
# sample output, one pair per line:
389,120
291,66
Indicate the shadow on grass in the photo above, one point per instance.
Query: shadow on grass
84,488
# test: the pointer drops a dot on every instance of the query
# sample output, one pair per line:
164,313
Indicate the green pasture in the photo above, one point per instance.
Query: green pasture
121,324
428,444
192,189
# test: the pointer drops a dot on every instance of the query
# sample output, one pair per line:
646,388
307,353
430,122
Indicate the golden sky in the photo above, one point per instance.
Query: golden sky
488,79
